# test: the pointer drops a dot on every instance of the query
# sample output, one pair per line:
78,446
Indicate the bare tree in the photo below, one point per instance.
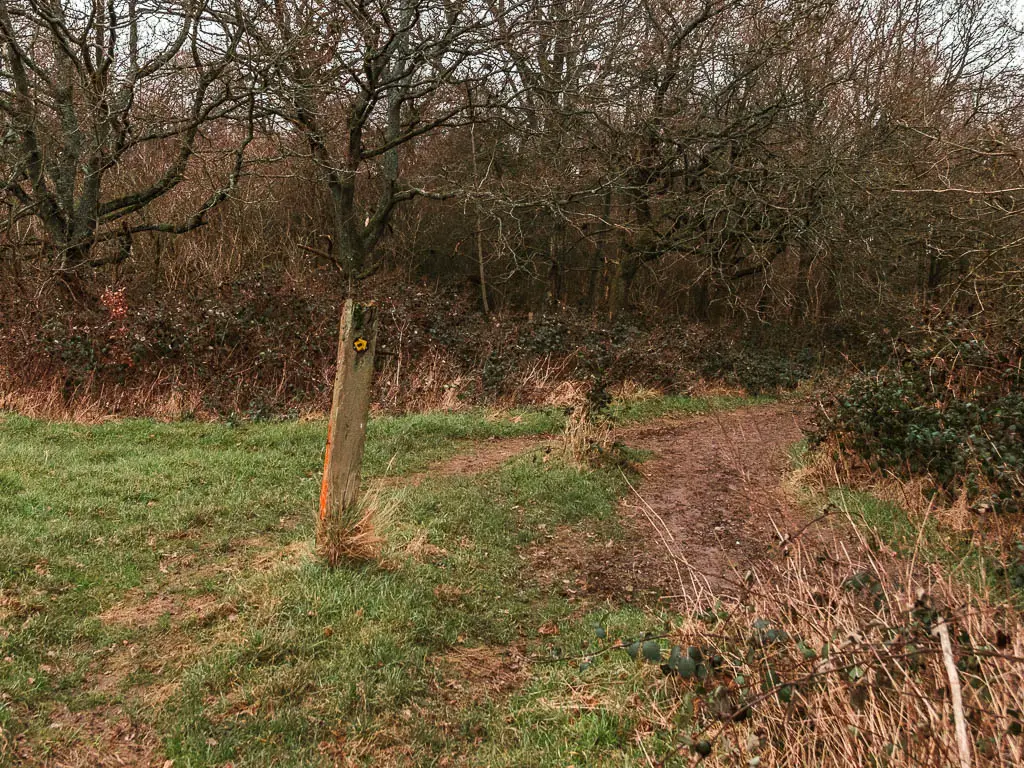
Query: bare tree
771,157
651,119
720,143
357,82
104,104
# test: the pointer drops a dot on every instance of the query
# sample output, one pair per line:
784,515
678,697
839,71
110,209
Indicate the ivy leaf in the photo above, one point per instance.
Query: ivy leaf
652,650
673,657
686,667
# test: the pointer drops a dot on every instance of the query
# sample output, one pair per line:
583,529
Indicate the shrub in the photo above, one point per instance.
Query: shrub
947,407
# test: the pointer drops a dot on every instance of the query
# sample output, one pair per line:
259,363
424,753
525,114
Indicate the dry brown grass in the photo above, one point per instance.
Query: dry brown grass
481,673
362,533
421,550
545,381
830,467
632,391
434,383
883,689
881,696
88,402
704,388
564,394
584,435
429,383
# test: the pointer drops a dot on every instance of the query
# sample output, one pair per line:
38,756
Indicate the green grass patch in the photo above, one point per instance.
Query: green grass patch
972,560
161,574
347,653
632,411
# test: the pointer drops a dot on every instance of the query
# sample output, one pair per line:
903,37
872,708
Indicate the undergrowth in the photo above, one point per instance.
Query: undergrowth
255,348
948,407
982,552
832,662
832,653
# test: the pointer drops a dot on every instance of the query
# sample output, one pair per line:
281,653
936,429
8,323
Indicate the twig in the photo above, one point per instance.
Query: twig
962,743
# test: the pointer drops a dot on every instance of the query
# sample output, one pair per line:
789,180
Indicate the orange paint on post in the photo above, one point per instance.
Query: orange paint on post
327,464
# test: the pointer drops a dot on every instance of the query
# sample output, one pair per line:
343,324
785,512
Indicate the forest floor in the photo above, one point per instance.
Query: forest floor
160,603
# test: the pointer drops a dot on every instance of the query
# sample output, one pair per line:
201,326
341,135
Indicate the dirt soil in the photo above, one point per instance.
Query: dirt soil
713,491
710,506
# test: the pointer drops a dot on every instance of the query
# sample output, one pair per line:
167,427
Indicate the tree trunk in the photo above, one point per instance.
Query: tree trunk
700,298
936,273
554,293
480,263
803,306
479,230
615,287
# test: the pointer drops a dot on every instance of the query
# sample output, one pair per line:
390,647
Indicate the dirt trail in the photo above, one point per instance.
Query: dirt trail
711,494
714,488
478,457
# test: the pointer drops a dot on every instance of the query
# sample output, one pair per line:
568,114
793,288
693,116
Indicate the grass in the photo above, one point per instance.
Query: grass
158,600
296,680
645,409
974,560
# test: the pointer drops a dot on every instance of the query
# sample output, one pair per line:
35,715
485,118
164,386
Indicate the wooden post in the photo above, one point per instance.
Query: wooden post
340,518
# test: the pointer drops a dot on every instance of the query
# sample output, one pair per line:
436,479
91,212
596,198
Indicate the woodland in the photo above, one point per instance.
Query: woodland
524,186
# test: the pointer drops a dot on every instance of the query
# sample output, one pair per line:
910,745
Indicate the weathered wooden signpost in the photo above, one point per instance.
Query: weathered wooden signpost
341,530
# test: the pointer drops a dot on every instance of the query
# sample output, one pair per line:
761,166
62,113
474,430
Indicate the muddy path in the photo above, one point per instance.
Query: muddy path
712,494
477,458
708,508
